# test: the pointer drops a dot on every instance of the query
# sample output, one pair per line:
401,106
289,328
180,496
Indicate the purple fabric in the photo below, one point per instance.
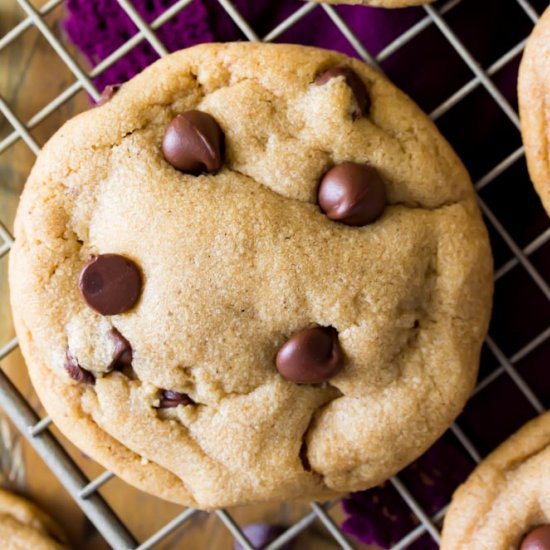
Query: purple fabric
100,27
381,517
429,70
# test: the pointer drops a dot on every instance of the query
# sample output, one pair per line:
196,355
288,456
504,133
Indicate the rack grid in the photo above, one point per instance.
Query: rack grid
37,431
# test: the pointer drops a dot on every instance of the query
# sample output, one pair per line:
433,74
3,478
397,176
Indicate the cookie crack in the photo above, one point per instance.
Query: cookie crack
410,342
430,282
129,133
192,441
398,204
516,464
417,206
303,452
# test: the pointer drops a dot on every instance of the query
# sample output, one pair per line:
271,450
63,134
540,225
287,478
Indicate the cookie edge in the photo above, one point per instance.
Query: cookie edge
531,95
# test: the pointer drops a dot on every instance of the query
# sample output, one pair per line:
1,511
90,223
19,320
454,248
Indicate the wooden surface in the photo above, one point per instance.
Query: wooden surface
31,76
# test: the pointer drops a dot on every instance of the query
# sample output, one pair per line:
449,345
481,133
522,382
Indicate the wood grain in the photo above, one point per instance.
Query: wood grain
31,75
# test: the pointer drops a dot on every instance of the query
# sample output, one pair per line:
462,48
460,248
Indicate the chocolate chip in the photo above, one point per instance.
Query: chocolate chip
107,94
310,356
193,143
537,539
357,86
110,284
122,355
171,398
353,194
76,372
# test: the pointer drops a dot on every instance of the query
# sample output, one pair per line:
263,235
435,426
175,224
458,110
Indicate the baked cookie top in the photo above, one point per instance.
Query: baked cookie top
23,525
505,503
251,345
534,106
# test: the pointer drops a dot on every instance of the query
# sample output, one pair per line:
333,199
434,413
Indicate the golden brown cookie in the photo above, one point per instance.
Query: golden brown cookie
534,105
24,526
257,273
505,503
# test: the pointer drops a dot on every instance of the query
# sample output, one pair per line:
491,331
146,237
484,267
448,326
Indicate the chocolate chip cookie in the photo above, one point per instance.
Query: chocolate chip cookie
23,525
534,99
505,503
257,272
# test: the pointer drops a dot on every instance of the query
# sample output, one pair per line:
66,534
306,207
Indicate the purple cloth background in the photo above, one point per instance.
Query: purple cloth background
429,70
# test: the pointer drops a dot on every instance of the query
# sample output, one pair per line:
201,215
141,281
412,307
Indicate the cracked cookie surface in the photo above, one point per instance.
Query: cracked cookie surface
534,104
23,526
506,497
234,262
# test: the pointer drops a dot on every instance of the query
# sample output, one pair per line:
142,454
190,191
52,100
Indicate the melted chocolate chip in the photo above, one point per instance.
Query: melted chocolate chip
353,194
171,398
107,94
110,284
357,86
76,372
122,355
537,539
311,356
193,143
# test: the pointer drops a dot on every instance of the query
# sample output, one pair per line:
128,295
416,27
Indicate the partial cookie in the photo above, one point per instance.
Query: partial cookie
505,503
378,3
24,526
534,105
257,273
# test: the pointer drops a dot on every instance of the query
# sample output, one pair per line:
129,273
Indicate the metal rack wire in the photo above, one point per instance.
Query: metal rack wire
85,491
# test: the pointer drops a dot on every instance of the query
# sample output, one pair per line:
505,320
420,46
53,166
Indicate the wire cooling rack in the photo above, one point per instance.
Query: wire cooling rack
37,430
